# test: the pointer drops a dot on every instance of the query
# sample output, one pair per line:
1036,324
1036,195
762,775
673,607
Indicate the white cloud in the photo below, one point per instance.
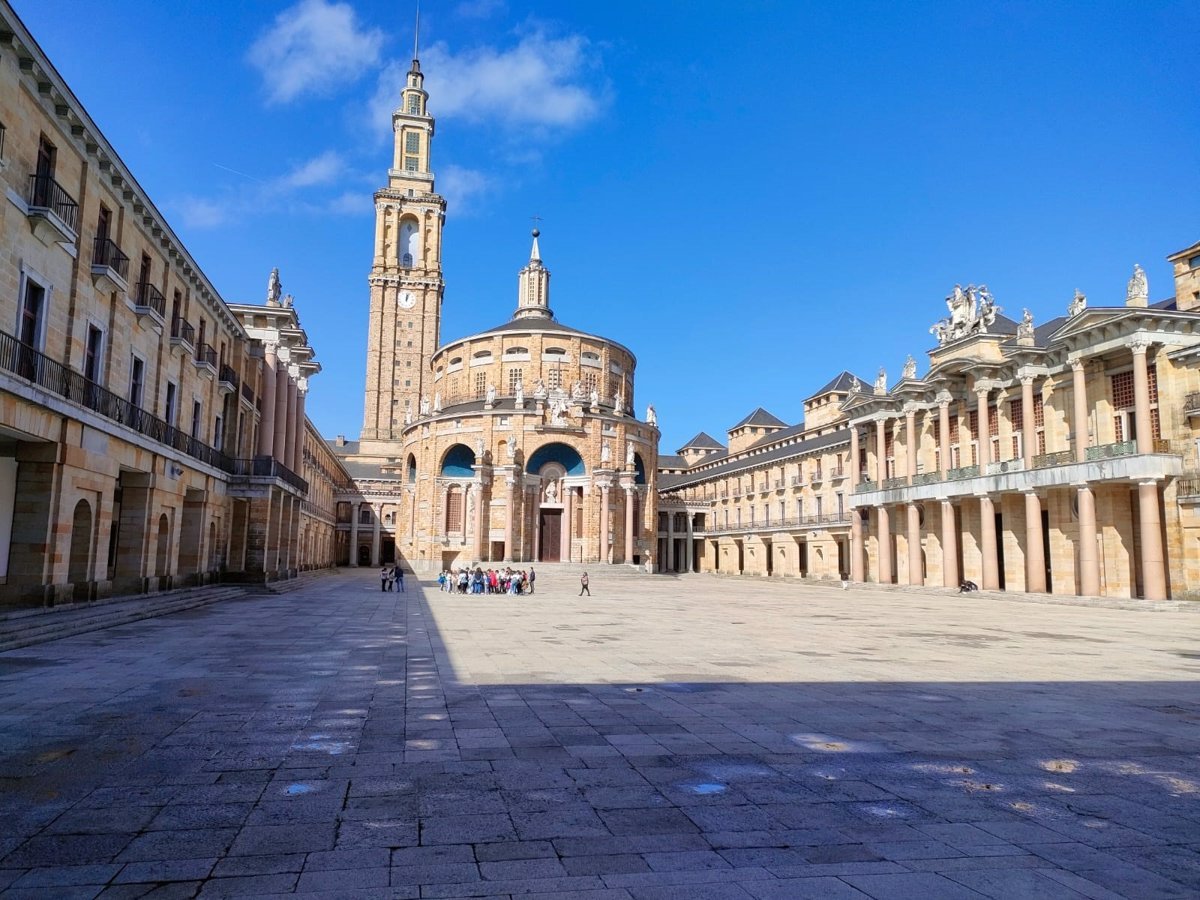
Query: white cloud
461,187
543,81
197,212
313,47
351,203
320,169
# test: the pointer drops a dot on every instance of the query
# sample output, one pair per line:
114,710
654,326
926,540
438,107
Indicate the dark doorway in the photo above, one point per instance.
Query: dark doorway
550,527
803,560
387,549
1000,549
364,555
1046,549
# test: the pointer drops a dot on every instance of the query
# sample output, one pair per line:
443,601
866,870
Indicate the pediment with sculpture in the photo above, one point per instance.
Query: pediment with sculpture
973,310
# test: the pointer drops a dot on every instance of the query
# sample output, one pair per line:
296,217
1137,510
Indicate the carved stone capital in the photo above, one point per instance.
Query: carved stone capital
1140,343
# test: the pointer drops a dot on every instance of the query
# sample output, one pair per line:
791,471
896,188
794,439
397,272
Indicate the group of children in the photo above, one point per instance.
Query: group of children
493,581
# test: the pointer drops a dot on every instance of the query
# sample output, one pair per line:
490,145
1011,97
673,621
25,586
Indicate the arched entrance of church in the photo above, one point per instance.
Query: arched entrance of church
557,467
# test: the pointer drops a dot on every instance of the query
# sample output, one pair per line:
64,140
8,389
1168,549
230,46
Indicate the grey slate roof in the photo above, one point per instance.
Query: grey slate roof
347,449
669,461
832,439
362,470
703,441
840,383
760,417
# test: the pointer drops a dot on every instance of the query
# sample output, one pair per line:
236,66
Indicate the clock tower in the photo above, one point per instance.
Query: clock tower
406,276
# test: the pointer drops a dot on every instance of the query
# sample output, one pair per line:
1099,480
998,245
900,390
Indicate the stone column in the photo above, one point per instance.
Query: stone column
1089,557
949,546
301,427
291,438
375,534
354,508
266,422
1079,417
944,439
1141,396
1035,552
569,524
533,496
510,518
856,546
282,380
1028,429
855,474
603,523
689,550
880,452
915,575
884,532
987,531
1154,575
910,442
480,515
984,438
670,542
629,524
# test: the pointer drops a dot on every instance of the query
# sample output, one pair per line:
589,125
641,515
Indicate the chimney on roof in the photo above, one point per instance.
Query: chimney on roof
341,440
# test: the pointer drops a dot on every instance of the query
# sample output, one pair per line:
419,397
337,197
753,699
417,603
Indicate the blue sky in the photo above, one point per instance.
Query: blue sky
752,196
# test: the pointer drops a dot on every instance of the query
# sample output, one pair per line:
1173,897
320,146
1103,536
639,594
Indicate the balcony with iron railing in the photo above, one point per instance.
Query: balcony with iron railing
227,379
817,477
183,335
206,360
110,267
838,473
1110,451
1191,404
797,481
148,301
27,363
1187,486
52,212
247,394
266,467
790,523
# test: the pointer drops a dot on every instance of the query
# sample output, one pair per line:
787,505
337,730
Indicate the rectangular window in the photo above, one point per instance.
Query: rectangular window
412,142
2,133
414,105
514,376
555,378
170,406
589,381
218,432
137,381
92,353
196,417
410,164
103,223
454,512
841,505
47,155
480,384
33,310
1122,390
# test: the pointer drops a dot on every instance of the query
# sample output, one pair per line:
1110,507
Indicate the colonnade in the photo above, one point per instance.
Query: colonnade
281,430
1153,567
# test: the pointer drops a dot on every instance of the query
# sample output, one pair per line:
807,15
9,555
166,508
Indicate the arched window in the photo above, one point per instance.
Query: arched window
410,233
412,469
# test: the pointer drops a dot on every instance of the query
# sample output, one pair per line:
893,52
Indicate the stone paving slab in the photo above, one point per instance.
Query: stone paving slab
667,737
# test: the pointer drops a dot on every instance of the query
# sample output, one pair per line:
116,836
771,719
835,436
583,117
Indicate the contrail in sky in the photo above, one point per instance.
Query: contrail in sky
236,172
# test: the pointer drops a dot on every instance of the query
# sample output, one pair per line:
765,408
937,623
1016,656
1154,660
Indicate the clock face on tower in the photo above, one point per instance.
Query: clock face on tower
406,300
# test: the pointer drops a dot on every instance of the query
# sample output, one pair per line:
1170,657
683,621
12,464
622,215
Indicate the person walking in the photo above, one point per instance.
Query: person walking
383,578
532,578
583,585
398,575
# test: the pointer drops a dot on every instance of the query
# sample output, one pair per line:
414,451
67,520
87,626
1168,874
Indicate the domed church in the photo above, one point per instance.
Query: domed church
516,444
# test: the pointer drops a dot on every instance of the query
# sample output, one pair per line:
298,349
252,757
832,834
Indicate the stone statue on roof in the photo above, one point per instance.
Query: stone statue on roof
629,451
437,402
288,300
972,311
651,415
1025,329
605,453
1078,303
881,381
274,288
425,406
910,368
490,394
520,393
1138,290
539,390
855,384
577,390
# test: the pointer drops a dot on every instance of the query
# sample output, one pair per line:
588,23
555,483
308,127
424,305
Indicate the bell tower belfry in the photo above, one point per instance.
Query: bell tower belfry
406,277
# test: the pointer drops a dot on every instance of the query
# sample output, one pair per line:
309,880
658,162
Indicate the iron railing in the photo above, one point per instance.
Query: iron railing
148,296
247,393
1058,458
25,362
229,375
1191,402
105,252
927,478
266,467
206,355
866,485
791,522
1109,451
837,473
182,331
1188,486
46,193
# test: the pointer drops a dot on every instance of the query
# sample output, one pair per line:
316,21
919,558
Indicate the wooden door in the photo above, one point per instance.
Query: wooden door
551,531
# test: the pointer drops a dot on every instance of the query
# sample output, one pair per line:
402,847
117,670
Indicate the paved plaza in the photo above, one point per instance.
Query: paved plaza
694,737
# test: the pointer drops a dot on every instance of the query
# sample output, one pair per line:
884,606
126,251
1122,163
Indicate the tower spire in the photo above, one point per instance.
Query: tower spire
417,33
533,300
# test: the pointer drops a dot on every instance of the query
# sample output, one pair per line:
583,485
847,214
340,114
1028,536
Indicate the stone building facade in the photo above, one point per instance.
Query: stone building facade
144,440
1059,457
515,444
774,501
